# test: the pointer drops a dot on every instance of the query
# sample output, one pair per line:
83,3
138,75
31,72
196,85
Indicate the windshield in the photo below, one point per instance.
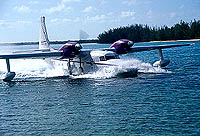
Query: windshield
105,58
102,58
110,57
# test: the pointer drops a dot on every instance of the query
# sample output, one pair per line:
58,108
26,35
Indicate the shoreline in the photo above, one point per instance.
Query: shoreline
92,41
51,42
189,40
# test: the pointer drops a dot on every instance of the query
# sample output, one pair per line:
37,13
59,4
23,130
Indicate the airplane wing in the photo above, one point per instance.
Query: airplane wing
147,48
31,55
60,53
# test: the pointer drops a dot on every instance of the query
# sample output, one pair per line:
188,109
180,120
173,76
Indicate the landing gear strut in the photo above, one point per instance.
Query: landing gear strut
80,68
69,67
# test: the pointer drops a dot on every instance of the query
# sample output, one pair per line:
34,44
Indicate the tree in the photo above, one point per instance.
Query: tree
144,33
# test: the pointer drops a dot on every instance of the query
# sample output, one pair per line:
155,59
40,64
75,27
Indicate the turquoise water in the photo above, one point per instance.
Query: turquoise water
40,101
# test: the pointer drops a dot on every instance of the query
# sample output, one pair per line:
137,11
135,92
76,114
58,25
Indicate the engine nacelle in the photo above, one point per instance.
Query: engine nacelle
70,49
161,63
122,46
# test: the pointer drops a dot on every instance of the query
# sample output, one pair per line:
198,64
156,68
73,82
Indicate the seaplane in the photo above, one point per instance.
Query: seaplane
83,60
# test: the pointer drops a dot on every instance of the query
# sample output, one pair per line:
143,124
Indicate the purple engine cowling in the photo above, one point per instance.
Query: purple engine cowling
122,46
70,49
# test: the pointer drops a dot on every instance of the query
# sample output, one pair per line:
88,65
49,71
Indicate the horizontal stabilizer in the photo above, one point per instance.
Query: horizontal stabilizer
87,62
32,51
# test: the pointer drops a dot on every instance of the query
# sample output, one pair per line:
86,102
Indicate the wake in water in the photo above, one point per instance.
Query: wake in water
29,68
123,64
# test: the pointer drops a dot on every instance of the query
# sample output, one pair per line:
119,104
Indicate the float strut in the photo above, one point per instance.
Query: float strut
160,54
8,65
9,75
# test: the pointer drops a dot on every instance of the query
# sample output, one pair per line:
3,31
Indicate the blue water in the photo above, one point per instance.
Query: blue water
159,102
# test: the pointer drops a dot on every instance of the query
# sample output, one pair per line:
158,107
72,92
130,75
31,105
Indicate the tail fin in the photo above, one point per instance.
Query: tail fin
43,39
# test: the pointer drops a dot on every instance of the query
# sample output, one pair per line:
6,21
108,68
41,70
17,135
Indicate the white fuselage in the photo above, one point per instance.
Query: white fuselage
92,61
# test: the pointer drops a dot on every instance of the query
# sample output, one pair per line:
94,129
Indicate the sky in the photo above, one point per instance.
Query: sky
19,19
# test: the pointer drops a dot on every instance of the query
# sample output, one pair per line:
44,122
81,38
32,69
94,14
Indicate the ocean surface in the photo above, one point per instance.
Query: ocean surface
44,101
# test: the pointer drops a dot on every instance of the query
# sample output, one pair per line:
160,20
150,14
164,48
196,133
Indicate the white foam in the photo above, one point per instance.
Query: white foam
26,68
123,64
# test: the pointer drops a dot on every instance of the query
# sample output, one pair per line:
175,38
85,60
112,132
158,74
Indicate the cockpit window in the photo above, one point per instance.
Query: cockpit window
105,58
110,57
102,58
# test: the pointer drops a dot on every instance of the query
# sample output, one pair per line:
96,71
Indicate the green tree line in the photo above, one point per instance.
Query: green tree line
145,33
